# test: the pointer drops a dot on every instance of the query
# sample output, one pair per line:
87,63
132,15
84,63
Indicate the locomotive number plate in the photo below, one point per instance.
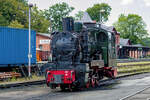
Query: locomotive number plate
57,79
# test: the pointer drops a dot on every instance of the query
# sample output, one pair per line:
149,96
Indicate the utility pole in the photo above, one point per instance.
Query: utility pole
29,53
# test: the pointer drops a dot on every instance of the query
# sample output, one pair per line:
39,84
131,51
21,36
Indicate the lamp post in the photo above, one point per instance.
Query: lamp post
29,53
100,17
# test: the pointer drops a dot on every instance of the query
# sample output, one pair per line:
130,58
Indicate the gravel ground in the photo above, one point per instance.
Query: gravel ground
117,89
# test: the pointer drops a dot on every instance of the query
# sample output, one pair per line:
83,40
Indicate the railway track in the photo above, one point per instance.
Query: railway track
102,82
40,82
60,94
137,92
4,86
108,81
132,60
105,92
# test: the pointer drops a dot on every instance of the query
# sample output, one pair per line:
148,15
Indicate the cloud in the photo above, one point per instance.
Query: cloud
147,2
126,2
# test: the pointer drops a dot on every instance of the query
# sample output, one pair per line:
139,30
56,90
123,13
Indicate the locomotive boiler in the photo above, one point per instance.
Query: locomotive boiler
82,55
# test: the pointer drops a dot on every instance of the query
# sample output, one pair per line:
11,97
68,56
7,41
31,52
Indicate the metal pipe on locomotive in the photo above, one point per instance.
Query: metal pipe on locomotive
81,55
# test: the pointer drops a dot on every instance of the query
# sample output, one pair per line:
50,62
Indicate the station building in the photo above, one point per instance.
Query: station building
42,46
126,50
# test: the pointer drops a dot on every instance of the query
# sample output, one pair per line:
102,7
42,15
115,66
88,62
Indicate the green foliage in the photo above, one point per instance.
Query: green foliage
132,27
79,15
16,24
38,21
146,41
23,1
16,12
13,10
3,21
55,14
95,13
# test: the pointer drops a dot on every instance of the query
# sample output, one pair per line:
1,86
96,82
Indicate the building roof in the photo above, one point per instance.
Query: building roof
86,18
124,42
137,45
44,34
111,28
108,28
118,33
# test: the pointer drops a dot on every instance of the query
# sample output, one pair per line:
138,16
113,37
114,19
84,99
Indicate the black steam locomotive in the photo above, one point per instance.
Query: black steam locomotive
81,55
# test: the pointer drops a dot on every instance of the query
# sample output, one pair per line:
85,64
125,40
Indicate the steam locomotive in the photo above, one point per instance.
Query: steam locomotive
82,55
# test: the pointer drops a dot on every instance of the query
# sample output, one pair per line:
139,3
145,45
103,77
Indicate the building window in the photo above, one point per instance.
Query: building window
40,47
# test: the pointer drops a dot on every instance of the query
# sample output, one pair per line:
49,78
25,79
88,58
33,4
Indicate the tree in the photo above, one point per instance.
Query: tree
132,27
38,21
146,41
16,24
79,15
55,14
16,12
13,10
95,13
23,1
3,21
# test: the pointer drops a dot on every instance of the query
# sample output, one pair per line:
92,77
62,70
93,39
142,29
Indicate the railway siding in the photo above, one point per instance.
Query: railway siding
124,69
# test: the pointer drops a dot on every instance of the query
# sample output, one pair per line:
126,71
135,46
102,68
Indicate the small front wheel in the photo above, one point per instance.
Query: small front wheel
63,88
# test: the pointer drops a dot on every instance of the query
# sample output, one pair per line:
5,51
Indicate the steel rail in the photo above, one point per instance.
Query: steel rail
39,82
102,82
132,65
137,92
132,60
43,81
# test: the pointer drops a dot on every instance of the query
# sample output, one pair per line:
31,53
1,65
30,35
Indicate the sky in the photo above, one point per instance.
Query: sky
140,7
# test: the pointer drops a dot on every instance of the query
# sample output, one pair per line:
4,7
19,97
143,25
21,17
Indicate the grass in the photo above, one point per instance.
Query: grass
130,63
133,69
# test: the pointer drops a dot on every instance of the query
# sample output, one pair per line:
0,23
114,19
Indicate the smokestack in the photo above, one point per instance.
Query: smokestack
68,24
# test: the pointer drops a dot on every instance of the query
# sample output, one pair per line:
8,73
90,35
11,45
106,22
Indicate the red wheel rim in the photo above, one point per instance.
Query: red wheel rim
93,83
96,82
87,85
